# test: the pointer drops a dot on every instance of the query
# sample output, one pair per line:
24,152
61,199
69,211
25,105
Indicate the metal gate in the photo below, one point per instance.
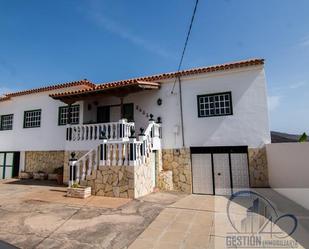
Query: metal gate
219,170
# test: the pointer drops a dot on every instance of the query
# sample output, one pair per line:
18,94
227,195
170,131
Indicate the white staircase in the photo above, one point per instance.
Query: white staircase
130,151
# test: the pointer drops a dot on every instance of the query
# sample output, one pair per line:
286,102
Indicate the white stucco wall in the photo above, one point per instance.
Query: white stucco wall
288,170
247,126
49,136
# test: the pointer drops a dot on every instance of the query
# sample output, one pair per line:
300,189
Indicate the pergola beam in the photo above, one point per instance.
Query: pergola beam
120,91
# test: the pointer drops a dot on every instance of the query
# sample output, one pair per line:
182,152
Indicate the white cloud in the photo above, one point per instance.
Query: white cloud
274,102
298,84
101,19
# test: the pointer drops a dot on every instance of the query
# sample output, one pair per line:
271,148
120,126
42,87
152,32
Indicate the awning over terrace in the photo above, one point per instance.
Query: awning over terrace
118,89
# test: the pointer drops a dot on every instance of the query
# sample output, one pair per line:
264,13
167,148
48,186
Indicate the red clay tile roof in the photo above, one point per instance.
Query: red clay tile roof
107,86
156,78
135,81
83,82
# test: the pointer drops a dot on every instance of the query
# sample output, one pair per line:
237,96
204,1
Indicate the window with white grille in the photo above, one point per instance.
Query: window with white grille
63,117
32,119
217,104
6,122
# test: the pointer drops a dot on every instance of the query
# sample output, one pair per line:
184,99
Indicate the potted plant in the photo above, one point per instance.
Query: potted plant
59,172
78,191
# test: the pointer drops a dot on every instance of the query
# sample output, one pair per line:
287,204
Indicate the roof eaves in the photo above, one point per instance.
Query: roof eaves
163,76
84,82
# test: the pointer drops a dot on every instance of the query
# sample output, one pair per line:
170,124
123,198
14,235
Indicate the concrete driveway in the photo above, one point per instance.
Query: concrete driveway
34,216
203,221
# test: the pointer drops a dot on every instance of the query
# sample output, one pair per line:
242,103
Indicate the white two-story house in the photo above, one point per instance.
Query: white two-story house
203,129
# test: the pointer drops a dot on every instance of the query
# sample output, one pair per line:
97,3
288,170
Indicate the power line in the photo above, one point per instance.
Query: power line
186,43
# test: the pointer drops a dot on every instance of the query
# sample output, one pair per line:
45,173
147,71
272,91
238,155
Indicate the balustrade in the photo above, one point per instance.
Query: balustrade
113,131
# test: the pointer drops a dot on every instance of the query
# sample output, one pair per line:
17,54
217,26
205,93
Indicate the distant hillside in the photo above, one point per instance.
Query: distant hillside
280,137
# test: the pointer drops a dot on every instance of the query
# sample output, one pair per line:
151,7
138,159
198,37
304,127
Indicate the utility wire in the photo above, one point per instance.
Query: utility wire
186,43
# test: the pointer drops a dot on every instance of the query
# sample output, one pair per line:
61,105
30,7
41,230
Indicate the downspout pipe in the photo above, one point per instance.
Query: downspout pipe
181,112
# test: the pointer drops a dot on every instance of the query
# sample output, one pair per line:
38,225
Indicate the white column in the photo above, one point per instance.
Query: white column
77,166
120,157
114,161
84,169
22,161
108,161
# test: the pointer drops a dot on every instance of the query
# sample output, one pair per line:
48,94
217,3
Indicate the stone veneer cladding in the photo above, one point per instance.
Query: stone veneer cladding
179,162
165,180
117,181
258,170
111,181
45,161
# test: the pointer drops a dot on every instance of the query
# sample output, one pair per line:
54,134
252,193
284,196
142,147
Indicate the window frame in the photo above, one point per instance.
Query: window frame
1,121
64,107
37,126
210,95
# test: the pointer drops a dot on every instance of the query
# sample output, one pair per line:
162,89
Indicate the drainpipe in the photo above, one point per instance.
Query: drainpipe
181,113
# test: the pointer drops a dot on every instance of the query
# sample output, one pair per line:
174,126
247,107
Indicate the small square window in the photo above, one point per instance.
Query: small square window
63,116
218,104
32,119
6,122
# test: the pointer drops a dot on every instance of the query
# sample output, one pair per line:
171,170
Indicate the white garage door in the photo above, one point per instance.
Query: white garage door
222,174
240,175
219,170
202,174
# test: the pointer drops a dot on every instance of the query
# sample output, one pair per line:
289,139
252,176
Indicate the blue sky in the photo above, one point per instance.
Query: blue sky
46,42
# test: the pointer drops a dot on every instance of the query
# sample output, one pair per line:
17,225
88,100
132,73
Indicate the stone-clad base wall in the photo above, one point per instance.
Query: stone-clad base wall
179,162
258,170
112,181
165,180
45,161
144,178
67,156
117,181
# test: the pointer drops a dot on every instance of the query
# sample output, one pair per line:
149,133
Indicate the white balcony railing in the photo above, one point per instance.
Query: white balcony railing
131,152
119,131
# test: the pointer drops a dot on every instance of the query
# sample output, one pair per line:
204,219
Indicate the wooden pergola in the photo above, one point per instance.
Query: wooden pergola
119,89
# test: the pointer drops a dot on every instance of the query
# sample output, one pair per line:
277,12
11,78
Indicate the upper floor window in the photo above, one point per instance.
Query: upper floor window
32,118
63,116
6,122
217,104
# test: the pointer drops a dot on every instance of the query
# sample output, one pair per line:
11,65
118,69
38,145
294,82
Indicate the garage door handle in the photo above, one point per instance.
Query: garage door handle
219,174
